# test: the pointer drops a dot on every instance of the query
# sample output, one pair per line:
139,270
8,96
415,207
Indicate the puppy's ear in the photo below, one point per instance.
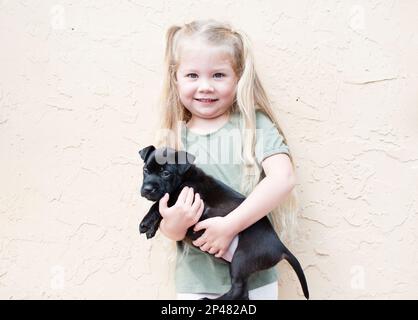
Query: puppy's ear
184,161
145,153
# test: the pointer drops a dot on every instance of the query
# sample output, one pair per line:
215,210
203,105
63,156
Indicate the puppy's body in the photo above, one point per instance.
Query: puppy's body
258,247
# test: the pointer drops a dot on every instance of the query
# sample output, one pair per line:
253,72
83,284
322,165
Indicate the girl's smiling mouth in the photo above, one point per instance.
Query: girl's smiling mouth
206,100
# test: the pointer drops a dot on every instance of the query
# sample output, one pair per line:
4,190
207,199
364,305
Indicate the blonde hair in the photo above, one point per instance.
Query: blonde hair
250,97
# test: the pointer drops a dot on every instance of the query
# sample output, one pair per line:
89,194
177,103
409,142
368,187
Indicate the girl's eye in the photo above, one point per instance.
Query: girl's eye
219,75
192,75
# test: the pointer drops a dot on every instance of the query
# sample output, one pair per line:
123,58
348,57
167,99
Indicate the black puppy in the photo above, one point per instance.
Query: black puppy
169,171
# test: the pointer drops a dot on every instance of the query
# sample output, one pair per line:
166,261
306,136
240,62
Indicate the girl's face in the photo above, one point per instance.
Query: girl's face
206,82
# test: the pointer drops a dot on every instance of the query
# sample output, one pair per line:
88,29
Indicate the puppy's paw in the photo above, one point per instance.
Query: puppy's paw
143,227
149,229
151,233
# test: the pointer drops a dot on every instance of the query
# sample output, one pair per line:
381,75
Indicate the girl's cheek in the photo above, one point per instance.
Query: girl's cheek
227,89
184,84
190,89
189,85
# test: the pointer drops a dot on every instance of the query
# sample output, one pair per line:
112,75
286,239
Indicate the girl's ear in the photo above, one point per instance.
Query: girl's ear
145,153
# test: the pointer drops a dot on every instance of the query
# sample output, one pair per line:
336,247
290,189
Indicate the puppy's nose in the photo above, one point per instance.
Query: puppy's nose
148,189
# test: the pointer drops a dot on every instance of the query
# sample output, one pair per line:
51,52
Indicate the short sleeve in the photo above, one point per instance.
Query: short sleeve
268,139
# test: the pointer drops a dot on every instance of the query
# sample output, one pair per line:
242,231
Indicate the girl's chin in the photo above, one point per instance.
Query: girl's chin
208,114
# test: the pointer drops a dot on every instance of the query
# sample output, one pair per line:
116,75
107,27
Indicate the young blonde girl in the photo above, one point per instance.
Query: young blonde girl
211,85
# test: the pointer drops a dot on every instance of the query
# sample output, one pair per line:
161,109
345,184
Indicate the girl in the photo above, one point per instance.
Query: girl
215,107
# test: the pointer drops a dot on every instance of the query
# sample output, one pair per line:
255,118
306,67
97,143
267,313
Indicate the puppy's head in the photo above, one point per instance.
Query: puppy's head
164,169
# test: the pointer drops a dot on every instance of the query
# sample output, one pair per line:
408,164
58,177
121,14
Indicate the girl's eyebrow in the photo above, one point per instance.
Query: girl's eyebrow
222,69
189,70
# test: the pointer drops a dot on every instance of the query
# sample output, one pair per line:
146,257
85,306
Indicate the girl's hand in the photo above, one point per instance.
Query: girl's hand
184,213
217,237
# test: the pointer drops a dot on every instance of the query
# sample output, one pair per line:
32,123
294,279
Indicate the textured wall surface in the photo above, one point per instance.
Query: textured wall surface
79,85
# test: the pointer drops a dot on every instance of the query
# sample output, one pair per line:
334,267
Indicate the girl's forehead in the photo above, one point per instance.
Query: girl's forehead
199,50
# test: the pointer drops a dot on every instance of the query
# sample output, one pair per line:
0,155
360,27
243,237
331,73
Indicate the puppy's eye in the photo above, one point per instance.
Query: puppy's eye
145,170
165,174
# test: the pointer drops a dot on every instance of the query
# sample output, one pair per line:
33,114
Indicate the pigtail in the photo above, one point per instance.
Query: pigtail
169,50
246,103
169,100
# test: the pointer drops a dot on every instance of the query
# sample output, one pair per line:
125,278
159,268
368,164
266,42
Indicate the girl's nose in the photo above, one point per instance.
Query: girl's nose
205,86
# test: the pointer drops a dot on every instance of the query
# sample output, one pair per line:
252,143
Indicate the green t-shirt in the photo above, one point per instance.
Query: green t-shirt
218,154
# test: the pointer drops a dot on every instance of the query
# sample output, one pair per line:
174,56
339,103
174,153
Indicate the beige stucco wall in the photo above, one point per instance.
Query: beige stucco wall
79,84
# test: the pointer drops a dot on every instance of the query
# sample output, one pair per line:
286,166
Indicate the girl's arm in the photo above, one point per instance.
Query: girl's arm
267,195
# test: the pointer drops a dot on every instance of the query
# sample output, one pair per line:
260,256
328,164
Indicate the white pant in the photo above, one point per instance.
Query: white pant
268,292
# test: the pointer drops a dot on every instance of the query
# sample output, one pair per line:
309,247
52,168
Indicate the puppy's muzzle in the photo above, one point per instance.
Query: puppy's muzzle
149,191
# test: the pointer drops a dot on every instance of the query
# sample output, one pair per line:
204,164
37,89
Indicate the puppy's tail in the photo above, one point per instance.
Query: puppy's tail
287,255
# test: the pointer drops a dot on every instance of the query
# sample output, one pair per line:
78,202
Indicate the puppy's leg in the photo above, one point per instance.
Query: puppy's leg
240,272
150,223
251,256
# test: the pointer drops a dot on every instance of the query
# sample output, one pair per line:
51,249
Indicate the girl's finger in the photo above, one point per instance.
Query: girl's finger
205,247
200,210
189,197
196,203
200,241
162,205
201,225
213,250
182,195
